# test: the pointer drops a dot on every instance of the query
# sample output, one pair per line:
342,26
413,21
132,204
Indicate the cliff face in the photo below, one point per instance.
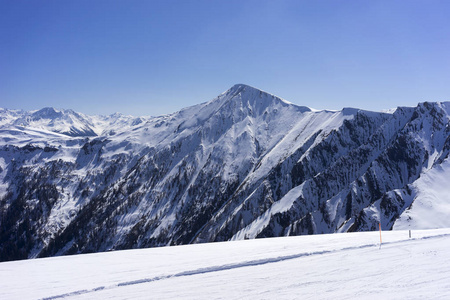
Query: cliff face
244,165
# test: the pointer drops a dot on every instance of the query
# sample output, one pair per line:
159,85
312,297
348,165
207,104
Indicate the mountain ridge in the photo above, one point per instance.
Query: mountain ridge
246,164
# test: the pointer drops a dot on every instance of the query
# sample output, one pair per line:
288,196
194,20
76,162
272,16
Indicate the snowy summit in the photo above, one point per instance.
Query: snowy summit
244,165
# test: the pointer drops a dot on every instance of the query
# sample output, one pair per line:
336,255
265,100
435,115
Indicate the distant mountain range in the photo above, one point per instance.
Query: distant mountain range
245,165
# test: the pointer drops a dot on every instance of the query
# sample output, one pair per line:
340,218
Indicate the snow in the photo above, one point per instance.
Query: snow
253,229
68,122
247,133
341,266
431,206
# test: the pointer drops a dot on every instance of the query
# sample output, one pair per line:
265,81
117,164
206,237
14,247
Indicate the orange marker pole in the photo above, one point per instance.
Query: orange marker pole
379,225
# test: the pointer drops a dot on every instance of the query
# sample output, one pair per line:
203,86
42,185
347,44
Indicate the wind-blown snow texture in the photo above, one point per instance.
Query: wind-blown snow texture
245,165
327,266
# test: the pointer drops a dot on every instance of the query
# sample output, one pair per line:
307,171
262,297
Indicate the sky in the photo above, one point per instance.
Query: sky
156,57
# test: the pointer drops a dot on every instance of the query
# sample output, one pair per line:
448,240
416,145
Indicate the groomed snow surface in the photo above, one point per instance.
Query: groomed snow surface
332,266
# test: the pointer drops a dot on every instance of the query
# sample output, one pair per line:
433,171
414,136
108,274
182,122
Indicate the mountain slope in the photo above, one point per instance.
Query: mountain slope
328,266
246,164
67,122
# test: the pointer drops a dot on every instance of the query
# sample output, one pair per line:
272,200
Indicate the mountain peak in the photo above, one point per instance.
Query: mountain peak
47,113
240,87
257,98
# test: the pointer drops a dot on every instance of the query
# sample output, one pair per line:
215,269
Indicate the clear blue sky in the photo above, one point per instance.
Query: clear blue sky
156,57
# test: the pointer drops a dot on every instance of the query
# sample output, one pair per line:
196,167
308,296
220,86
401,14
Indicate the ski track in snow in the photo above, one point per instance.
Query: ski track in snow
232,266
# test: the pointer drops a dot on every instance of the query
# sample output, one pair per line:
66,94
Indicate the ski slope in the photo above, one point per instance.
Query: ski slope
340,266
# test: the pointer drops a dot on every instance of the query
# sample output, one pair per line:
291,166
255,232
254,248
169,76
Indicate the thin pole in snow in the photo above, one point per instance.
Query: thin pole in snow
379,226
410,233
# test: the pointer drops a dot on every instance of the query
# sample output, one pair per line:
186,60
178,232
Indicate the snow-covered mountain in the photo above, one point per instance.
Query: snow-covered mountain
245,165
67,122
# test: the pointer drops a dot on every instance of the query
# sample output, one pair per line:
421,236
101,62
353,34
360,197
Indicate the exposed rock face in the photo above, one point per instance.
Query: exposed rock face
244,165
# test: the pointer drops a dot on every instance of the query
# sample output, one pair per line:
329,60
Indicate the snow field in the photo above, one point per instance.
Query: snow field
342,266
430,208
